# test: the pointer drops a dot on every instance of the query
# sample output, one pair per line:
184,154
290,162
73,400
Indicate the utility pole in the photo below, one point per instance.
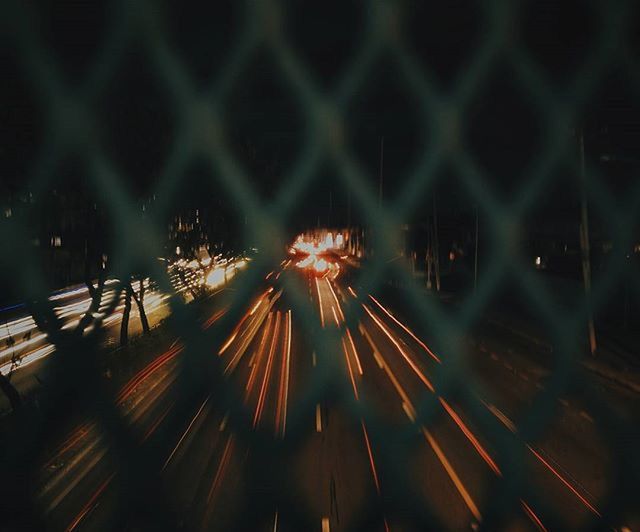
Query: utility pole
429,256
436,250
381,170
584,245
475,262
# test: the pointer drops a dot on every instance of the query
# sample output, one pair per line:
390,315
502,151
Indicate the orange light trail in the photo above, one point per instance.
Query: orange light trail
281,410
221,468
74,438
564,481
216,316
335,298
407,330
153,427
234,334
353,382
371,462
511,426
90,504
470,436
411,363
254,327
335,316
288,368
320,303
531,514
352,291
144,373
255,307
355,352
452,474
258,355
396,384
185,433
227,343
267,374
410,410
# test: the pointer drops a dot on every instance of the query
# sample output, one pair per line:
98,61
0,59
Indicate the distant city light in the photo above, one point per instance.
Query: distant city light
215,277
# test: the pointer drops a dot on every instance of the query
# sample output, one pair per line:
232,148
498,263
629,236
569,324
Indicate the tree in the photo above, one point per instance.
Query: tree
124,326
95,293
139,299
6,385
129,295
10,392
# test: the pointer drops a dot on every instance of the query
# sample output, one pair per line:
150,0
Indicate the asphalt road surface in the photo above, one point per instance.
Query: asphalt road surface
333,441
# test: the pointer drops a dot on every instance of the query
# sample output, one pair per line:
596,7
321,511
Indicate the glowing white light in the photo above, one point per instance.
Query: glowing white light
215,277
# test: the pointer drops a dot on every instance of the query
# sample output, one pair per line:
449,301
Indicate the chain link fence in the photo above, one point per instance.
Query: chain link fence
200,131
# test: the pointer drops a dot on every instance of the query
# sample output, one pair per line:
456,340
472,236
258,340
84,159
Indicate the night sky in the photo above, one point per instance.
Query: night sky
501,127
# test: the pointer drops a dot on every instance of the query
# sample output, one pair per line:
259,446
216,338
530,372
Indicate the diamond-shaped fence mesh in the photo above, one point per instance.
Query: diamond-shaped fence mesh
135,475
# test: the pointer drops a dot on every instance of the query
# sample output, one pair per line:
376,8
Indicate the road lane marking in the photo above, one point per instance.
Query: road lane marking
501,416
452,474
586,416
408,409
318,419
325,525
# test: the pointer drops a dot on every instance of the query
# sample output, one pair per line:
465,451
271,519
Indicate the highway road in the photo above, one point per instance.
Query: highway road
25,347
335,439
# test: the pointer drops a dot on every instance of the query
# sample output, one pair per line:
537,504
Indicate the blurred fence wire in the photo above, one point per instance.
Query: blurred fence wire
72,129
